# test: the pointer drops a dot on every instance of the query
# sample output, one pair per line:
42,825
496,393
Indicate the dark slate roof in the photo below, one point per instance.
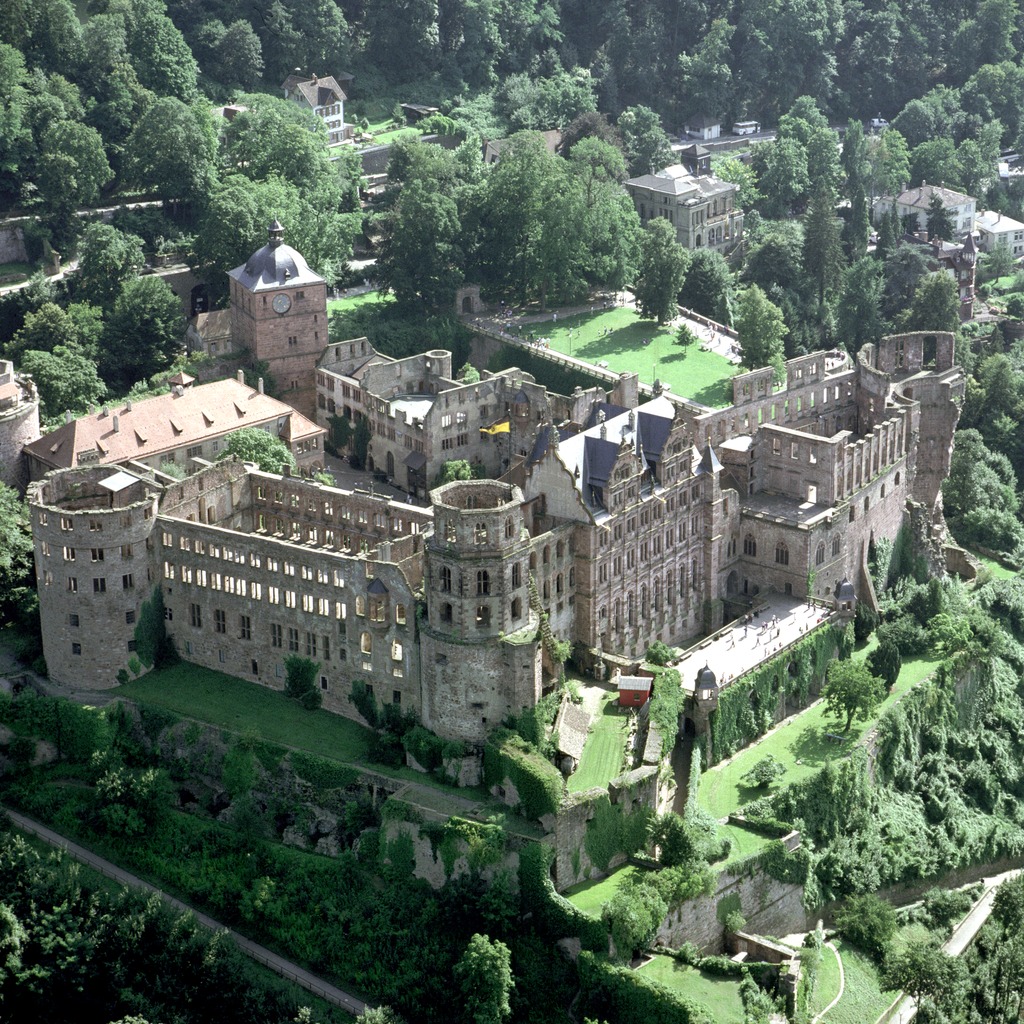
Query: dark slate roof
609,411
376,587
709,462
274,266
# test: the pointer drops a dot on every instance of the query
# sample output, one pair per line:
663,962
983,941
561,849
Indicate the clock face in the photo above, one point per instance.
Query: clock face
282,303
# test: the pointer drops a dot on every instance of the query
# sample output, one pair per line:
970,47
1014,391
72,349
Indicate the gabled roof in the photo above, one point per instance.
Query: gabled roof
921,196
317,92
639,684
167,423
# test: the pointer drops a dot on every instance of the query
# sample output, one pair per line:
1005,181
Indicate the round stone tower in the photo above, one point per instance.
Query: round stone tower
90,529
480,647
19,423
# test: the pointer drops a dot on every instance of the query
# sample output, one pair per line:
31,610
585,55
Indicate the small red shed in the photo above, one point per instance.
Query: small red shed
634,691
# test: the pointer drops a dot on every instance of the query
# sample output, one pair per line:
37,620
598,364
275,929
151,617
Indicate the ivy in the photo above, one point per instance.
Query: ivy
751,705
537,781
152,645
610,832
321,772
666,706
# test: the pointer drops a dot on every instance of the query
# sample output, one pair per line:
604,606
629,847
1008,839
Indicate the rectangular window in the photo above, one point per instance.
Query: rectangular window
219,621
76,648
129,618
126,551
311,645
73,584
132,646
194,452
244,627
73,620
276,635
99,585
195,616
293,639
127,581
69,554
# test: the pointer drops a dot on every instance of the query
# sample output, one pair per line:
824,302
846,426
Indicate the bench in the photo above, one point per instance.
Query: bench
835,737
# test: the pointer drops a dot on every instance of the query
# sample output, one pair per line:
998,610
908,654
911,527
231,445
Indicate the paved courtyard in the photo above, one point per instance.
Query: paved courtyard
740,646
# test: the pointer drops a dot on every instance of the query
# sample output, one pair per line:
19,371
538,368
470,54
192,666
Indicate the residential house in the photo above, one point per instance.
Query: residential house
700,206
916,203
996,229
703,128
958,260
188,422
325,98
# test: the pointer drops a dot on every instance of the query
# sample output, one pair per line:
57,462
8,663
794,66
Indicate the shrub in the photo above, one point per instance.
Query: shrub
659,653
885,661
300,681
868,922
537,781
764,772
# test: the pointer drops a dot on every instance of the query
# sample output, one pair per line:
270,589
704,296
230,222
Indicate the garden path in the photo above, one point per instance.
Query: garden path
842,983
293,972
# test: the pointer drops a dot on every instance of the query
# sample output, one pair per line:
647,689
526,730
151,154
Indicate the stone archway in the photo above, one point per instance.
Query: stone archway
732,584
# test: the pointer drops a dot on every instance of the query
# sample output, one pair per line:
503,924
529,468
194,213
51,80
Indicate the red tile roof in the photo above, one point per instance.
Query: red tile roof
167,423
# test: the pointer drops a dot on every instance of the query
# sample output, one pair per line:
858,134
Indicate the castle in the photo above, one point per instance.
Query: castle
618,523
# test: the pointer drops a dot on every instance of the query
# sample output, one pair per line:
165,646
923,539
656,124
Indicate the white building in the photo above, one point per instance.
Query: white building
996,229
917,202
325,98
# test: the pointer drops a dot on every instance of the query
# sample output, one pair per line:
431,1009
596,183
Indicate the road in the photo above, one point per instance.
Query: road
293,972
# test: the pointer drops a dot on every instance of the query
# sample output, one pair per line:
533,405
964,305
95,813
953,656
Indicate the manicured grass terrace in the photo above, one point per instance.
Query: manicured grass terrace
602,756
827,987
691,373
863,999
590,897
721,996
352,301
801,744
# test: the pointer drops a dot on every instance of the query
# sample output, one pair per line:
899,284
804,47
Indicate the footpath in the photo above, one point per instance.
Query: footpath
285,968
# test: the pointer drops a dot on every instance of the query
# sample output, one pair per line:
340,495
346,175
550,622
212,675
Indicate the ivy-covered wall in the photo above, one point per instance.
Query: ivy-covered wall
751,705
510,762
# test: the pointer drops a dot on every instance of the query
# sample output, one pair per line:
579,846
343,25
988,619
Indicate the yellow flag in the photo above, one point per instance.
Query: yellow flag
501,427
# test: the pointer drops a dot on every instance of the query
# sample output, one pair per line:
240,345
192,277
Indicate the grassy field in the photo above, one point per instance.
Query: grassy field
863,999
1000,572
12,273
827,987
745,843
243,707
702,376
720,995
352,301
602,756
801,744
590,897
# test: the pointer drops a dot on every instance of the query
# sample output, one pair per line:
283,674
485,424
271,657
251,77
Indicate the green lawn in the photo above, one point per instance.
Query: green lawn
602,756
12,273
1000,572
827,987
720,995
863,999
702,376
590,897
745,843
801,744
243,707
352,301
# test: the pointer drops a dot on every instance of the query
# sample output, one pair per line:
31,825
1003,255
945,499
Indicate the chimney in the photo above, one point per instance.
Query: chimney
259,385
117,424
240,376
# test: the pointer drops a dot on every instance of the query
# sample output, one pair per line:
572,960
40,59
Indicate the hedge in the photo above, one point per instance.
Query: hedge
321,771
537,781
76,731
619,994
553,914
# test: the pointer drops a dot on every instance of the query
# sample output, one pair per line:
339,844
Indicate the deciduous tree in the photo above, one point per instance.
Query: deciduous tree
761,330
484,975
660,271
851,691
251,444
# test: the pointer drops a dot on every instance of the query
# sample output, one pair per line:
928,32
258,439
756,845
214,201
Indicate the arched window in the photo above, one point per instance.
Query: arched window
366,643
483,582
517,575
480,533
572,577
836,545
558,584
483,616
749,545
867,503
618,613
657,596
631,609
547,554
781,554
897,481
510,529
559,549
547,590
444,577
643,601
449,532
360,605
517,608
533,560
400,614
819,558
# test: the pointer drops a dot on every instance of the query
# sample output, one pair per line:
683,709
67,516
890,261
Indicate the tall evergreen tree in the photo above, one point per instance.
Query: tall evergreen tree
823,254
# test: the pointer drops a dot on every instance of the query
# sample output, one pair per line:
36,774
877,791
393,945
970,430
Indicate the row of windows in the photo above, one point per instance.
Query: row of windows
326,508
67,523
76,648
99,583
95,554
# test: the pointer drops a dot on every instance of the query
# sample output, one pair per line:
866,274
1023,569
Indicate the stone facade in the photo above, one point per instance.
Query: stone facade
19,423
622,524
279,315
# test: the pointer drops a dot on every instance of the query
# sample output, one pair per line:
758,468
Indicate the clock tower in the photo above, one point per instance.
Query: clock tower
279,314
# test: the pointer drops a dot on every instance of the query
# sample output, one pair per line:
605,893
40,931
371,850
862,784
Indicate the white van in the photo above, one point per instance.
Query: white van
746,127
878,123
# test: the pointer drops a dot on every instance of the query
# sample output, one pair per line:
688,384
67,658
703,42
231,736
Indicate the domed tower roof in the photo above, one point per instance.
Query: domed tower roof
274,266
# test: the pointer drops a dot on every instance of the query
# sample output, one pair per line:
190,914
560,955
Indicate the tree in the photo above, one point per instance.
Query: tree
859,313
660,272
885,662
73,173
44,330
143,334
734,170
940,224
707,287
484,975
15,547
238,56
761,330
764,772
379,1015
923,970
632,916
171,151
252,444
418,257
904,267
782,177
936,305
644,140
454,469
300,681
852,691
107,258
705,73
66,379
889,161
588,125
823,254
867,921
